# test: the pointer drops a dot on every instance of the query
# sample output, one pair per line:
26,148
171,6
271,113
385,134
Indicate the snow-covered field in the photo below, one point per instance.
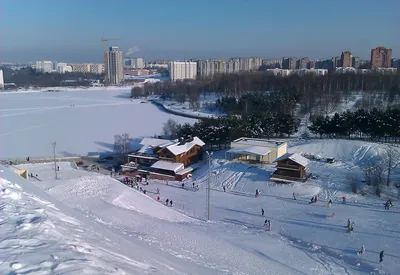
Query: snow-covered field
305,238
80,121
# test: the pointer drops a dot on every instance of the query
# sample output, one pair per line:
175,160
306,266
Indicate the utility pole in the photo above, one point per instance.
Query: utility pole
209,157
55,160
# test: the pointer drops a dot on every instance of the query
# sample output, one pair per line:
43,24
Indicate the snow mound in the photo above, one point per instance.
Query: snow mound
356,152
141,203
36,238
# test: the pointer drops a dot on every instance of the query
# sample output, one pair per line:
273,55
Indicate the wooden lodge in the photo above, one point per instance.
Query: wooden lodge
165,159
291,167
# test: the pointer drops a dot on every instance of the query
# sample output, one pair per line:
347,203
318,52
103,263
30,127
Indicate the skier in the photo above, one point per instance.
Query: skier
316,199
351,228
362,251
183,185
348,224
257,193
390,202
387,205
170,203
294,196
344,200
58,168
144,191
312,200
158,198
381,256
223,187
330,203
158,190
166,202
193,185
266,222
262,212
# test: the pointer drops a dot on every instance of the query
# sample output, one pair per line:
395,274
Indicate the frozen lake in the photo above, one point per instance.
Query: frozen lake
30,122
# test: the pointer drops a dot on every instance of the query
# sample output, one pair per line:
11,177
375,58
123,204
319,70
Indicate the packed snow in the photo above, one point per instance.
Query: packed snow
40,235
304,238
81,122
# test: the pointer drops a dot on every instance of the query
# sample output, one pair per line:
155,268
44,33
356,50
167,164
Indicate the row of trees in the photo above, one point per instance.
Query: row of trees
218,131
26,77
274,102
361,123
316,94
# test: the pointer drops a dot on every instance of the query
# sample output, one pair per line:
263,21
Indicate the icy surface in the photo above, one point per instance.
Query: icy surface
80,121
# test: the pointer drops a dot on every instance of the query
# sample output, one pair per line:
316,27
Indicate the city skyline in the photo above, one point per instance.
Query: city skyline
178,30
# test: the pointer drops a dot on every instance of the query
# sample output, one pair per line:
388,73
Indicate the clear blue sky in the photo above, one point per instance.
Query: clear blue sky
71,30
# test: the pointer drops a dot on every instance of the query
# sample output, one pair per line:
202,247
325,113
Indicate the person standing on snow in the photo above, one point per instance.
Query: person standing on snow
166,202
330,203
344,200
381,256
257,193
158,190
362,251
348,223
262,212
170,203
223,187
294,196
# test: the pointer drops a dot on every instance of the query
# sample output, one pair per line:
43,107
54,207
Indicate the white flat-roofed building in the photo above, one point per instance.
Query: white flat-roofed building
257,150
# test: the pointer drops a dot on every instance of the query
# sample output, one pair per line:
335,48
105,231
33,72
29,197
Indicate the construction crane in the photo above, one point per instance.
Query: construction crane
104,40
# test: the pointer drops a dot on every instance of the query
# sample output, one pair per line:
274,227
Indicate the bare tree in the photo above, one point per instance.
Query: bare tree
170,129
353,182
121,144
390,161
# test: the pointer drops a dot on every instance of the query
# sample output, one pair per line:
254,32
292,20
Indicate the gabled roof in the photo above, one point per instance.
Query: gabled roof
155,142
250,150
177,149
294,157
169,166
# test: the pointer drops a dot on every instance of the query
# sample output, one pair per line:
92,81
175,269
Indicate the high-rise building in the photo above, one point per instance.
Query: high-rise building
210,67
1,79
356,62
60,67
44,66
289,63
272,63
96,68
115,70
396,62
302,63
134,62
232,66
381,57
182,70
346,59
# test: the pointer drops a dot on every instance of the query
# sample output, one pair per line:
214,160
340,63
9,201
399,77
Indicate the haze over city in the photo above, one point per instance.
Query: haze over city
71,30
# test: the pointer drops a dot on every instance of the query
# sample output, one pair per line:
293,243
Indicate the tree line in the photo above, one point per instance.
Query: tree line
316,94
361,123
28,77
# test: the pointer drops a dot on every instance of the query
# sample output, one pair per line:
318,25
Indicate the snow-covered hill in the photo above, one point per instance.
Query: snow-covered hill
40,235
305,238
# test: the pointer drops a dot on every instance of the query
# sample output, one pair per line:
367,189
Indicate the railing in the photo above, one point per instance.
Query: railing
289,166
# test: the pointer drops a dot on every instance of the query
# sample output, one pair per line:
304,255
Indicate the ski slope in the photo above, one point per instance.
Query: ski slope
40,235
305,238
